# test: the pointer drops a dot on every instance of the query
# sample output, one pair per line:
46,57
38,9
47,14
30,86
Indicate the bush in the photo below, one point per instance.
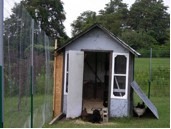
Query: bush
157,51
138,40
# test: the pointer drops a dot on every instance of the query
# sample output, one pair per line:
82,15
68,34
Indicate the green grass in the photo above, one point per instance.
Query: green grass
14,118
162,104
160,75
160,96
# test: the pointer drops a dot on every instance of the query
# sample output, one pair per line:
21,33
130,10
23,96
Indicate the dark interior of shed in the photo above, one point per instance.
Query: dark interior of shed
96,80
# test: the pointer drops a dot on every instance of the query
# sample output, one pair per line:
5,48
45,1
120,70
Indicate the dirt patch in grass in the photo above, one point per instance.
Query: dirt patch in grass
79,121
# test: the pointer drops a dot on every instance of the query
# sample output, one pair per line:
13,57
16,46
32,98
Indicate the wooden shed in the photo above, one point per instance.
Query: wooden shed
94,70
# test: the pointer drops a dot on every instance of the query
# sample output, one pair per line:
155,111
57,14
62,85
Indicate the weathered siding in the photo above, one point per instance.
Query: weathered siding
65,104
118,107
97,40
58,84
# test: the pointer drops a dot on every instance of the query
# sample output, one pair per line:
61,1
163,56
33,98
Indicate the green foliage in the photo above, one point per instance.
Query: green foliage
150,16
40,83
142,42
157,51
44,79
85,20
116,6
16,29
11,88
112,18
21,119
160,75
145,25
138,40
114,21
49,14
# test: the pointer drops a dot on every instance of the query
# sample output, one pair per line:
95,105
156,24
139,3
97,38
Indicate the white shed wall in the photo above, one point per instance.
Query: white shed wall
96,40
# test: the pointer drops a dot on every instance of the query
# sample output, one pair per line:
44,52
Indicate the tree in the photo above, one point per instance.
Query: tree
49,14
138,40
18,48
116,7
151,17
113,17
145,25
83,21
112,22
16,40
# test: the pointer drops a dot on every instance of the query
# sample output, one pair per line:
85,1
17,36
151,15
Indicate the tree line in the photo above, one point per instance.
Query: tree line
144,25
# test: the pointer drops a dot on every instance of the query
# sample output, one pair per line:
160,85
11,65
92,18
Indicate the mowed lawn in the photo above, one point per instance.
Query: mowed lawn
160,96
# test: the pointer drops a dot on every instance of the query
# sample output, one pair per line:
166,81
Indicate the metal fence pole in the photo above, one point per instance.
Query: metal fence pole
150,74
32,71
1,67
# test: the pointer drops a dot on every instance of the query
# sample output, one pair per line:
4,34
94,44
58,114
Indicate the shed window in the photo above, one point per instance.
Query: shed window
119,86
119,76
66,73
120,64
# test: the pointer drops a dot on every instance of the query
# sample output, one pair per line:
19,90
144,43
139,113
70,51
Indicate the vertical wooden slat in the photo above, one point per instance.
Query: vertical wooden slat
58,74
54,82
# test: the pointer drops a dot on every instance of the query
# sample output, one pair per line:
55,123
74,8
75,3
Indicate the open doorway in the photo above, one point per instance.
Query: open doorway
96,80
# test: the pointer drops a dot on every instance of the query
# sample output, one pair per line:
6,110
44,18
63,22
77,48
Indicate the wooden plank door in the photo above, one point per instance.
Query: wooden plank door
75,84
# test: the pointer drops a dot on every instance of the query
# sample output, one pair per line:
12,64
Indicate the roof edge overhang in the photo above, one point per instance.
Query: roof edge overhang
106,31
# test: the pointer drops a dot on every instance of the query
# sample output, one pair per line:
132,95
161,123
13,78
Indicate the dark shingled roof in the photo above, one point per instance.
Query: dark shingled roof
106,31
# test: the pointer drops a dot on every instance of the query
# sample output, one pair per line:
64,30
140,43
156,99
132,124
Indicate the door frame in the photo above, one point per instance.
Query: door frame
113,74
110,52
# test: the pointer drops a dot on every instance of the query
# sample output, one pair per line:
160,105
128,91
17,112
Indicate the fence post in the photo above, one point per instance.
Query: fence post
32,71
1,67
150,75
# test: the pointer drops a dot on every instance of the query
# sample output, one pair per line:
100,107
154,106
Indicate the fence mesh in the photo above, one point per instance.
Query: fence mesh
27,65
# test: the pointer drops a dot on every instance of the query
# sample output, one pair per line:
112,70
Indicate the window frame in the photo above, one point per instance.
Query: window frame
114,55
66,72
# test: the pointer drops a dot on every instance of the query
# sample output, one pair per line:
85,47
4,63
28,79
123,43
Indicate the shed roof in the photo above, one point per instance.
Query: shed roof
106,31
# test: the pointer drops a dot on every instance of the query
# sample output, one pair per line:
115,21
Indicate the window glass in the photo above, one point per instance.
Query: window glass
66,72
67,62
66,90
119,86
120,64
